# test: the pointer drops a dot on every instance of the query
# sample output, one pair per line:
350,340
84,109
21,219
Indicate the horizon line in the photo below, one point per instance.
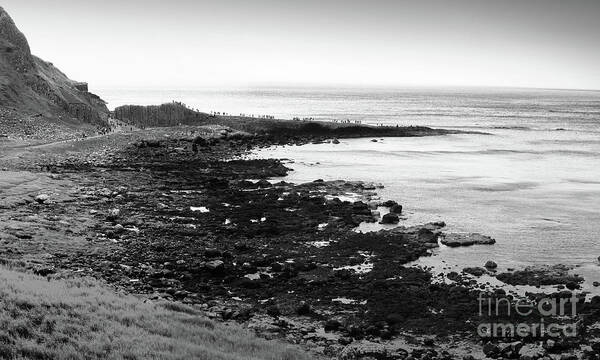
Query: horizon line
335,86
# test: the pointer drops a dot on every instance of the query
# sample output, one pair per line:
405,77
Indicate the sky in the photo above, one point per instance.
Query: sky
181,44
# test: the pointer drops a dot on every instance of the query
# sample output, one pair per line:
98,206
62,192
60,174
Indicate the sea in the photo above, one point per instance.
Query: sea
528,175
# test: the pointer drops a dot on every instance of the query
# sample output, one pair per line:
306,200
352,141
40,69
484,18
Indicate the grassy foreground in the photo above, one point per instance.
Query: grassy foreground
82,319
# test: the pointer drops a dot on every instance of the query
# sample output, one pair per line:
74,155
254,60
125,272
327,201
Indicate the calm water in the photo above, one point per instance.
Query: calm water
533,184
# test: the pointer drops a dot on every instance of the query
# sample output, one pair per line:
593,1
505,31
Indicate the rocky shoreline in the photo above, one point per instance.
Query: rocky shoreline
171,215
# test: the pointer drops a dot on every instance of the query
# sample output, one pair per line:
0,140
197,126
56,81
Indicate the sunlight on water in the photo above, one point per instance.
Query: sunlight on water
542,203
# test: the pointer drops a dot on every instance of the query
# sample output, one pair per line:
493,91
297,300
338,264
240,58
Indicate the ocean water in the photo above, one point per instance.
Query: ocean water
532,182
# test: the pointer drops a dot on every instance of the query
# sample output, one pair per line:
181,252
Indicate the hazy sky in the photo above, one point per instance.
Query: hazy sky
196,43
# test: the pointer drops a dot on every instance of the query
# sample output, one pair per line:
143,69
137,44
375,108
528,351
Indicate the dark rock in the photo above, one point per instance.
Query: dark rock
273,311
373,330
263,183
212,253
389,203
332,325
510,350
113,214
475,271
491,265
389,219
491,350
345,340
428,236
227,314
453,275
303,309
396,209
277,267
455,240
180,294
360,208
571,285
541,275
355,331
248,284
393,319
44,271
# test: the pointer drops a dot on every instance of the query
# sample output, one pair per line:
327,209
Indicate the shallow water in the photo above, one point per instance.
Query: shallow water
541,206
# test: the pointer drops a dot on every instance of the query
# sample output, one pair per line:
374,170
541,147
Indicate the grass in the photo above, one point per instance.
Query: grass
82,319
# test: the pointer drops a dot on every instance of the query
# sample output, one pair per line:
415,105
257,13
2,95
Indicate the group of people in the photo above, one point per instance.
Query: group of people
219,113
347,121
258,116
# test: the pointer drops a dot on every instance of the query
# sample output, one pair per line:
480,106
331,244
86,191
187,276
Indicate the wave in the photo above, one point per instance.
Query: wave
412,153
494,152
508,127
583,181
505,187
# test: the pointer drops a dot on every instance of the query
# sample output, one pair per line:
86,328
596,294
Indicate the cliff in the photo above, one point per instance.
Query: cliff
33,87
171,114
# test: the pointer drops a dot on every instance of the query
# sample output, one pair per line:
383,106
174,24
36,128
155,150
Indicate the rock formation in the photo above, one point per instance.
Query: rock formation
170,114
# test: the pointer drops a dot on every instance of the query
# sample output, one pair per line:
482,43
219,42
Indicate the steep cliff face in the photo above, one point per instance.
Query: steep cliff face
34,86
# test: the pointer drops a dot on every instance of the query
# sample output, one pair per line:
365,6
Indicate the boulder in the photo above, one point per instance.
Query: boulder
389,219
396,209
303,309
389,203
427,236
466,239
491,265
215,265
491,350
263,183
571,285
510,350
542,275
41,198
373,204
360,208
475,271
